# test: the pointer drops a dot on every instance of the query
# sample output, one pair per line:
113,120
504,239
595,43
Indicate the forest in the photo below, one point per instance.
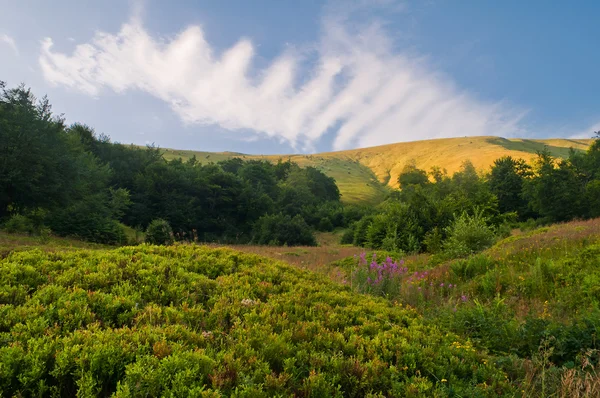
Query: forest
70,181
464,213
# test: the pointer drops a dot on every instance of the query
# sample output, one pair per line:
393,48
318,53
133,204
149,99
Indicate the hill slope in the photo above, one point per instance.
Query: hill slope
363,175
193,321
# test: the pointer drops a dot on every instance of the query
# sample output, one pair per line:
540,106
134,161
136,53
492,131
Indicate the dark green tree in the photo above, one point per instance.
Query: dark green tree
506,181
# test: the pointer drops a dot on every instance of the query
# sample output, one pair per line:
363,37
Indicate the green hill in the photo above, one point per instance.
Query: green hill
364,175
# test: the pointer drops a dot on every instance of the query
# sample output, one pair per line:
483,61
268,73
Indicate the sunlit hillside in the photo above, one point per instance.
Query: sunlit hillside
362,174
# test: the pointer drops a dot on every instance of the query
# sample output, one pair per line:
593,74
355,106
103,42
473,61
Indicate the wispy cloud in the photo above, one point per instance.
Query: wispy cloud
587,133
8,40
361,89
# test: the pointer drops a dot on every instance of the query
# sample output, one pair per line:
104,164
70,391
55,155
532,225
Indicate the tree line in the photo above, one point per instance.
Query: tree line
73,182
462,213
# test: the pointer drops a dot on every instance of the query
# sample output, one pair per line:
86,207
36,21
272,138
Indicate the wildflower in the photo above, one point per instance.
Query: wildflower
444,380
248,302
450,286
442,284
463,298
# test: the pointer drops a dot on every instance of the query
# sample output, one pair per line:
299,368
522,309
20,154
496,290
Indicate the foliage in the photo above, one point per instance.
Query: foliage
468,234
507,179
280,229
418,217
381,279
159,232
86,185
20,224
185,320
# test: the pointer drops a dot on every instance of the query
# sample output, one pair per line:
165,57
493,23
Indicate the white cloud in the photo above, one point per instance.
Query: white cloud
360,88
6,39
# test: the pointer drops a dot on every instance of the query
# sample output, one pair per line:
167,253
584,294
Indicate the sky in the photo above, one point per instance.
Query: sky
308,76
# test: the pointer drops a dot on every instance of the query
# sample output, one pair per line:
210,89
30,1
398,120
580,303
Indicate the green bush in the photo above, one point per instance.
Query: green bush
348,235
88,220
19,224
150,321
360,231
433,241
325,225
159,232
468,234
280,229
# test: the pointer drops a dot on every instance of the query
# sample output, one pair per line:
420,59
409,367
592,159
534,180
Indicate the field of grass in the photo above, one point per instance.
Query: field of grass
519,319
532,301
196,321
364,175
12,242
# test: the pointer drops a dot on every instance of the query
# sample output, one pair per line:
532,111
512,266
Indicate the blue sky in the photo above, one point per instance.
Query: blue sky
289,76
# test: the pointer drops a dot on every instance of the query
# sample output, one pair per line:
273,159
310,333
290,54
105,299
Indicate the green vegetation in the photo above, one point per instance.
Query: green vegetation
531,300
68,181
465,213
364,175
159,232
464,295
185,320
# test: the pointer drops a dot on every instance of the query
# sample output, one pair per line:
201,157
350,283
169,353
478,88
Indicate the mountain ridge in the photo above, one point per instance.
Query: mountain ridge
367,174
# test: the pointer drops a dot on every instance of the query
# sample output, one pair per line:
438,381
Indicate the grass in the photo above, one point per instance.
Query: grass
195,321
12,242
532,300
365,175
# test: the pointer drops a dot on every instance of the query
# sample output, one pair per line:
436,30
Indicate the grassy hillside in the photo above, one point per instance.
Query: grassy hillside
519,319
532,300
194,321
363,174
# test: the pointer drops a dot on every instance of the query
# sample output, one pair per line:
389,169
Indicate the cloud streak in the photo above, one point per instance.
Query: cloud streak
359,88
6,39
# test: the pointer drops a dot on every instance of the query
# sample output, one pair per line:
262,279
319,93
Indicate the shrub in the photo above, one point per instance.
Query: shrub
467,235
19,224
159,232
348,236
280,229
360,231
433,240
325,225
186,320
87,220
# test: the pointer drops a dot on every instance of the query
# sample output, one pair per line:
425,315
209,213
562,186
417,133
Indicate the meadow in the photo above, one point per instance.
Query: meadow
518,319
197,321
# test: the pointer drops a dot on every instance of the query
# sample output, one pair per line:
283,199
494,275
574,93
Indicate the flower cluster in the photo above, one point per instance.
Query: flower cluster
383,278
